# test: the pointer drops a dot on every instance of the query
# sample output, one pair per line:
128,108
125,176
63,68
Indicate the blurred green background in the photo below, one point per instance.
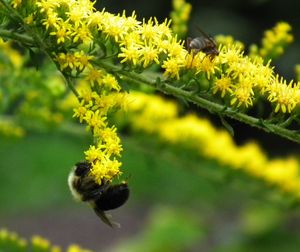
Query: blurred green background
178,201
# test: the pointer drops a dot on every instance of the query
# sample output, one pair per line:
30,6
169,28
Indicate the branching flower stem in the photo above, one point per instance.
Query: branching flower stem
25,40
33,40
204,103
162,85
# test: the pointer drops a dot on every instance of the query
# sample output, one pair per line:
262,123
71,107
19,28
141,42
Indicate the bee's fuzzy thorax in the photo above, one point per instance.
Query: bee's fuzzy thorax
71,180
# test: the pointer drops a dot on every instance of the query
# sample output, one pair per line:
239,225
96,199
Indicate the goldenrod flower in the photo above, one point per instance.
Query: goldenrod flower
285,96
223,85
172,67
51,20
148,55
242,96
94,76
110,82
130,54
62,33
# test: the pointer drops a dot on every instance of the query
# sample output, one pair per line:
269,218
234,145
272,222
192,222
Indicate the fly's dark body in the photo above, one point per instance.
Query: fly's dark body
204,43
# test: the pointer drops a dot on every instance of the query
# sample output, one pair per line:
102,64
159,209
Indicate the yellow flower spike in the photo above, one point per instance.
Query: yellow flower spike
275,40
40,242
201,136
180,17
76,248
282,172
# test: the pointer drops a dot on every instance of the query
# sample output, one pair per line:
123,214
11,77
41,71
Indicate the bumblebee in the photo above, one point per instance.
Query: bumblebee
102,197
204,43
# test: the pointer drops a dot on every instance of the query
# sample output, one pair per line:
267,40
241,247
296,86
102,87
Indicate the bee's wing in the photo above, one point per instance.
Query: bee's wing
106,218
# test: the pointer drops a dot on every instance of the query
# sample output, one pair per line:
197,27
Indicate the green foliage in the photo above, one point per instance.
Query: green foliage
167,230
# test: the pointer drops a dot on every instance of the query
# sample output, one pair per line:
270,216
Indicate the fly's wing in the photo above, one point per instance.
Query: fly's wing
206,35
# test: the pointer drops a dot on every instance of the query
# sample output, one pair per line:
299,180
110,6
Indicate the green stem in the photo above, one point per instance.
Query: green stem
24,39
206,104
71,86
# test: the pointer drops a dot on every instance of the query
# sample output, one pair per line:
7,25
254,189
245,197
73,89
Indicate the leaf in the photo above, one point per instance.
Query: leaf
227,126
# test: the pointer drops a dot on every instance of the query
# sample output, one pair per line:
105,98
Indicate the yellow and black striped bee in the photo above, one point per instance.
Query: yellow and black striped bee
204,43
102,197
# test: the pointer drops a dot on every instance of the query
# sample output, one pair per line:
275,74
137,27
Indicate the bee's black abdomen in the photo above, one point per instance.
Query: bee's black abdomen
113,197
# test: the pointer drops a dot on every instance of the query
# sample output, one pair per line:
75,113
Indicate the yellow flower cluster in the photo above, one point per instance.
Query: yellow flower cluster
274,41
180,17
93,110
201,136
8,128
227,40
80,39
244,78
13,55
10,241
140,44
